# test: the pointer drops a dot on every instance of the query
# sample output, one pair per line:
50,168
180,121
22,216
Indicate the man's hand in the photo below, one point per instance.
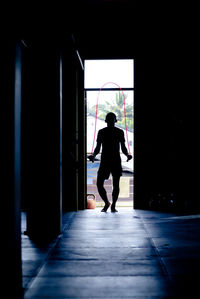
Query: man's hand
91,158
129,157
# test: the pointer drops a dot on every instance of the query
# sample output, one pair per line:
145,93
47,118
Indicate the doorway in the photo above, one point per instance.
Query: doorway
109,87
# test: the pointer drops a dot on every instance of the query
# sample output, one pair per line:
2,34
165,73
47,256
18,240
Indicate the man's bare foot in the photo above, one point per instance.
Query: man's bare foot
105,207
113,210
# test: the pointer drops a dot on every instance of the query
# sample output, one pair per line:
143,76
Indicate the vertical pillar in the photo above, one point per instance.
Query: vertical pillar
73,133
11,171
81,141
69,131
43,141
61,137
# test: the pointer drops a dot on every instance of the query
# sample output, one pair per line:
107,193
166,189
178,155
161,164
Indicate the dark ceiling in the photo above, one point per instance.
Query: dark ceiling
100,28
106,28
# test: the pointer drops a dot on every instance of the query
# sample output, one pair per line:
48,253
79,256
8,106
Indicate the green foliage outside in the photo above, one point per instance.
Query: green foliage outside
117,106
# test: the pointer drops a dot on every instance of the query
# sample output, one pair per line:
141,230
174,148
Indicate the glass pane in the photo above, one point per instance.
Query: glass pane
98,73
99,103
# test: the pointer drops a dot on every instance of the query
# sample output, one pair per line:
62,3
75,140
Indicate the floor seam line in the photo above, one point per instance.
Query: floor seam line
164,269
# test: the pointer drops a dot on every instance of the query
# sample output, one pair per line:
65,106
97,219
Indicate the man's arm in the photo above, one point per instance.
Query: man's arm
96,150
125,151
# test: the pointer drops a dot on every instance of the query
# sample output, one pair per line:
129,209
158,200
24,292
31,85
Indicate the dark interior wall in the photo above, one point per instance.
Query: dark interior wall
159,130
41,139
166,122
42,196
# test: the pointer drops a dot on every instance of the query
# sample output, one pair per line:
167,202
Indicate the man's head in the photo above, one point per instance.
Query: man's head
111,119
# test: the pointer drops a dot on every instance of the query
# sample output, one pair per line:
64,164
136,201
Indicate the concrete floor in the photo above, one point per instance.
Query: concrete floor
129,254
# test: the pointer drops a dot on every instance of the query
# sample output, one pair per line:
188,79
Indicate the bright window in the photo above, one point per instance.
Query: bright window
99,72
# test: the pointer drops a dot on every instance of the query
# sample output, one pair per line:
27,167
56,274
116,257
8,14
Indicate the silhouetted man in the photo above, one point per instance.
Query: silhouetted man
110,139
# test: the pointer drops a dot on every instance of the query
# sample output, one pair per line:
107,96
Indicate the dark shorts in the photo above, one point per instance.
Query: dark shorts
105,171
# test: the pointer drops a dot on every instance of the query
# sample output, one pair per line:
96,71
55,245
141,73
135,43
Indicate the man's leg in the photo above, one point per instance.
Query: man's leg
102,191
115,192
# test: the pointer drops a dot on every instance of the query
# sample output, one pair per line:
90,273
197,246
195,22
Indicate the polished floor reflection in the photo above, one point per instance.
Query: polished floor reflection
129,254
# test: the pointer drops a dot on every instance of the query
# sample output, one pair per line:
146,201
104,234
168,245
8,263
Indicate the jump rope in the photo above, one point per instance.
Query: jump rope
97,112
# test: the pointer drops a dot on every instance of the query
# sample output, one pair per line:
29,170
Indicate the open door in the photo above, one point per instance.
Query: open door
108,96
